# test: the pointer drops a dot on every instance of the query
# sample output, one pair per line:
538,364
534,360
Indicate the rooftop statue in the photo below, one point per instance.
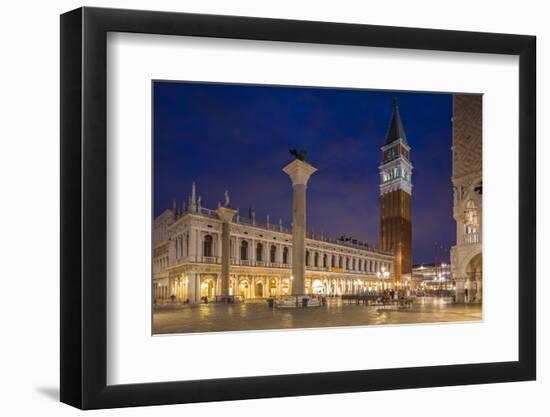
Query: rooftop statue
226,199
299,155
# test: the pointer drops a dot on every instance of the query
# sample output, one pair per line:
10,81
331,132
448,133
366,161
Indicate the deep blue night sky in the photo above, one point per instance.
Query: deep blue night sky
237,137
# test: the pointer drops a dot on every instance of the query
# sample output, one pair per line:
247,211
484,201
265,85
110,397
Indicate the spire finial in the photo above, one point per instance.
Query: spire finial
395,129
193,199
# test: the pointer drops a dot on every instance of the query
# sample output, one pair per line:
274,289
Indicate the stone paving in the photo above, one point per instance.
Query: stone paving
258,316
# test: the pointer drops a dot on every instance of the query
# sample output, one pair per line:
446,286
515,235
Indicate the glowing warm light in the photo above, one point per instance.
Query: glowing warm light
317,287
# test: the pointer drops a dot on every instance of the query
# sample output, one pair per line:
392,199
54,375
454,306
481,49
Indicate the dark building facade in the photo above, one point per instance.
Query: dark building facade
395,196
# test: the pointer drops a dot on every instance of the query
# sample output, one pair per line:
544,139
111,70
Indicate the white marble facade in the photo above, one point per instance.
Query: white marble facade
187,259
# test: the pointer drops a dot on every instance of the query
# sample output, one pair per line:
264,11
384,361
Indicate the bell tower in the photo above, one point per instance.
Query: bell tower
395,196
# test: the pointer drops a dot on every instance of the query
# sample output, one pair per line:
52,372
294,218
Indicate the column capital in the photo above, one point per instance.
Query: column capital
299,171
226,214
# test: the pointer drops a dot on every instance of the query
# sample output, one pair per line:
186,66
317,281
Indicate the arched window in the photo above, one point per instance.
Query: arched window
244,250
333,261
341,262
353,264
285,255
347,263
273,253
307,258
207,246
325,260
259,252
316,259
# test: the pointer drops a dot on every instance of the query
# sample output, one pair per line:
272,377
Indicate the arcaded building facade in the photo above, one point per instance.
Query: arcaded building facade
187,258
466,255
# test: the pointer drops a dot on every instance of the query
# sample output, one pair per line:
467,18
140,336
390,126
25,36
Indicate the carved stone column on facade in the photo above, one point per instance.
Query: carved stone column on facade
460,287
172,252
299,173
170,285
226,215
193,288
479,291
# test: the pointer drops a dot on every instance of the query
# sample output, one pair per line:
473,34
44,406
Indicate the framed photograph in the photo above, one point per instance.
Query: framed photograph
256,208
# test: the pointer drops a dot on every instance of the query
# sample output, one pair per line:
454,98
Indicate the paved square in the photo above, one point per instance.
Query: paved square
258,316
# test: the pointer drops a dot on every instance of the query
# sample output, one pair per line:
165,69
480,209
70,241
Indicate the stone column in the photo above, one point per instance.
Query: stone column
192,250
172,252
460,281
479,290
193,288
170,286
299,173
226,215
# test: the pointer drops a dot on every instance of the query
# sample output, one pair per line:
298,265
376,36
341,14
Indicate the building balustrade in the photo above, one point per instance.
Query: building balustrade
276,227
208,212
472,238
211,259
265,264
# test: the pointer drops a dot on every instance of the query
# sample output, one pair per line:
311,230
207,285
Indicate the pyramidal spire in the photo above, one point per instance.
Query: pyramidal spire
395,130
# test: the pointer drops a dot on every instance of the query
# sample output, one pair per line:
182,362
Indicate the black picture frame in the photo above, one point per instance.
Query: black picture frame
84,207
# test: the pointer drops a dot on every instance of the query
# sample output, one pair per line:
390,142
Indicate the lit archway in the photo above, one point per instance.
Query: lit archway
244,289
285,287
272,289
317,286
474,275
208,288
259,289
